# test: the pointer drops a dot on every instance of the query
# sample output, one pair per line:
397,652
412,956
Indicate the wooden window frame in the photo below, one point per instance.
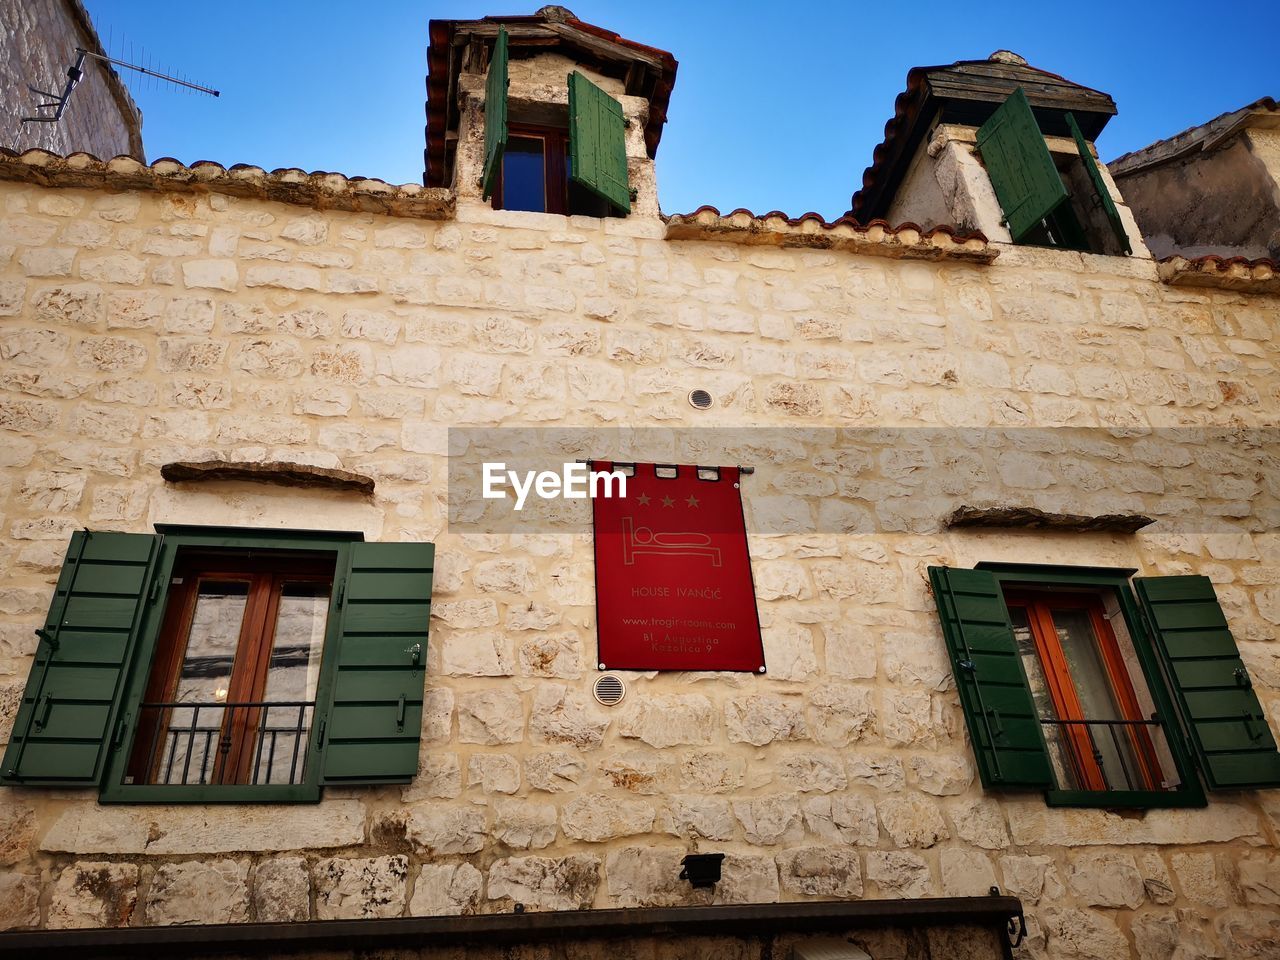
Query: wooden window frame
248,680
555,166
1038,606
269,548
1114,582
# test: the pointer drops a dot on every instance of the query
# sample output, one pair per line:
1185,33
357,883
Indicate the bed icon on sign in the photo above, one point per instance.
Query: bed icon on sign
642,540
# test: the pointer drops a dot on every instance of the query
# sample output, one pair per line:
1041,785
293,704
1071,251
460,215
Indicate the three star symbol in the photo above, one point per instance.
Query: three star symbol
643,499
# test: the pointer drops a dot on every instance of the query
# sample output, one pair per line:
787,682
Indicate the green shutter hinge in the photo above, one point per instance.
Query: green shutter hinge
400,714
154,595
342,591
48,638
324,722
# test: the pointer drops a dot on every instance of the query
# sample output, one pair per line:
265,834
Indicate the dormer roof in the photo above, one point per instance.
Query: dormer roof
645,71
967,92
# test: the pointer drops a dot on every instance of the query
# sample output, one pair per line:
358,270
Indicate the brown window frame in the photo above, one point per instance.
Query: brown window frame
555,166
1038,605
267,576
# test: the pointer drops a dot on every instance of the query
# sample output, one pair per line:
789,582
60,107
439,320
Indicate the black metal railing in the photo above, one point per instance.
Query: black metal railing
1126,753
263,742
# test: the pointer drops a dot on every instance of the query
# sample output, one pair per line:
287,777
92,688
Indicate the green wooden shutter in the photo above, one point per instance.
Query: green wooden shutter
1099,185
994,694
1228,729
495,114
1026,182
598,142
375,721
69,708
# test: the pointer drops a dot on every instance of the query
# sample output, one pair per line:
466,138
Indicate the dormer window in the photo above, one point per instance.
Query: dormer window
1049,199
578,169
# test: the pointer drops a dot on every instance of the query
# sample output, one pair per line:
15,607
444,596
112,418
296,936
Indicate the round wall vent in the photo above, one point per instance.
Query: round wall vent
609,689
700,399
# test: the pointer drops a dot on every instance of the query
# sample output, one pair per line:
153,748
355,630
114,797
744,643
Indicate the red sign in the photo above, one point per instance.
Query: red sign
673,576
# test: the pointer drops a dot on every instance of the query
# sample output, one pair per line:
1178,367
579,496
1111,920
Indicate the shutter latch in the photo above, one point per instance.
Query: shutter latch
1242,678
46,705
120,731
968,666
415,653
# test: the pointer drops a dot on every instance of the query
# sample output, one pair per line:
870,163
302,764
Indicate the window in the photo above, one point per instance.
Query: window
232,690
578,168
202,665
1048,199
1085,685
535,176
1093,703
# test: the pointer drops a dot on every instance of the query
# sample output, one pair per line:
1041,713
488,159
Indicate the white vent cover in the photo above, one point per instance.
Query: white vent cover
700,399
827,948
609,689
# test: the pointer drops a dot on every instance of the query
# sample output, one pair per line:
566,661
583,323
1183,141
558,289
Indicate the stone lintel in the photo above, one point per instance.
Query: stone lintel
275,472
1029,518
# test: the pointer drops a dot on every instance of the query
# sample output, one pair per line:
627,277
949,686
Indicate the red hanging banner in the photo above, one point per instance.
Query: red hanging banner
673,575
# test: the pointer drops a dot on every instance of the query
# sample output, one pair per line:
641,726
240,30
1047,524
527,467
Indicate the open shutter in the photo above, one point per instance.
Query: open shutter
1223,716
1026,182
495,114
598,142
1001,715
375,721
69,708
1099,185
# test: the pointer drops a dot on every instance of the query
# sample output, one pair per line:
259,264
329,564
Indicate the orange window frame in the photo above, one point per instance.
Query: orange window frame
266,577
1038,607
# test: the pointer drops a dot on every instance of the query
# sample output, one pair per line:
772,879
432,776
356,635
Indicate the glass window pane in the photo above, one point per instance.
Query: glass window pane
1109,743
292,674
189,752
524,175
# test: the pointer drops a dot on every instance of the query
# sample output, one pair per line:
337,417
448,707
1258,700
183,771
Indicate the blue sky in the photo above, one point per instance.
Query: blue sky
776,105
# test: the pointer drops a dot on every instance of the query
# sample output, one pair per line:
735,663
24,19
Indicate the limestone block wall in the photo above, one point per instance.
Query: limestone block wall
140,328
39,38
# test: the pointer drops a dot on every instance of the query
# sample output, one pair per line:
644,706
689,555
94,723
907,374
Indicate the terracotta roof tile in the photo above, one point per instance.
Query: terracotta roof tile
320,189
1229,273
877,238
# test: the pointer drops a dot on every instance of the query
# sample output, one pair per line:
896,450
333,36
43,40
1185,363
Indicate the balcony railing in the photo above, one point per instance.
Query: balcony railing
1126,754
262,742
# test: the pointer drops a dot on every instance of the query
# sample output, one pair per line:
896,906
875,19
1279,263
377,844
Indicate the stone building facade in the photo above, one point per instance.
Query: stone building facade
40,38
890,382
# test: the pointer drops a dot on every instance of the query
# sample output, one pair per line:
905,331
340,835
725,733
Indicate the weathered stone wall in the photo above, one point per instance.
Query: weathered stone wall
948,183
39,39
140,328
1226,202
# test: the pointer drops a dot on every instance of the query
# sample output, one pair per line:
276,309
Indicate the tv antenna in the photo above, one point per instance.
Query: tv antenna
52,110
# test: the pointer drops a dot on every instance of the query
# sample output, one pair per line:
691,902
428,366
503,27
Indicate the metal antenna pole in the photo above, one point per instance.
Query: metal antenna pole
58,103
